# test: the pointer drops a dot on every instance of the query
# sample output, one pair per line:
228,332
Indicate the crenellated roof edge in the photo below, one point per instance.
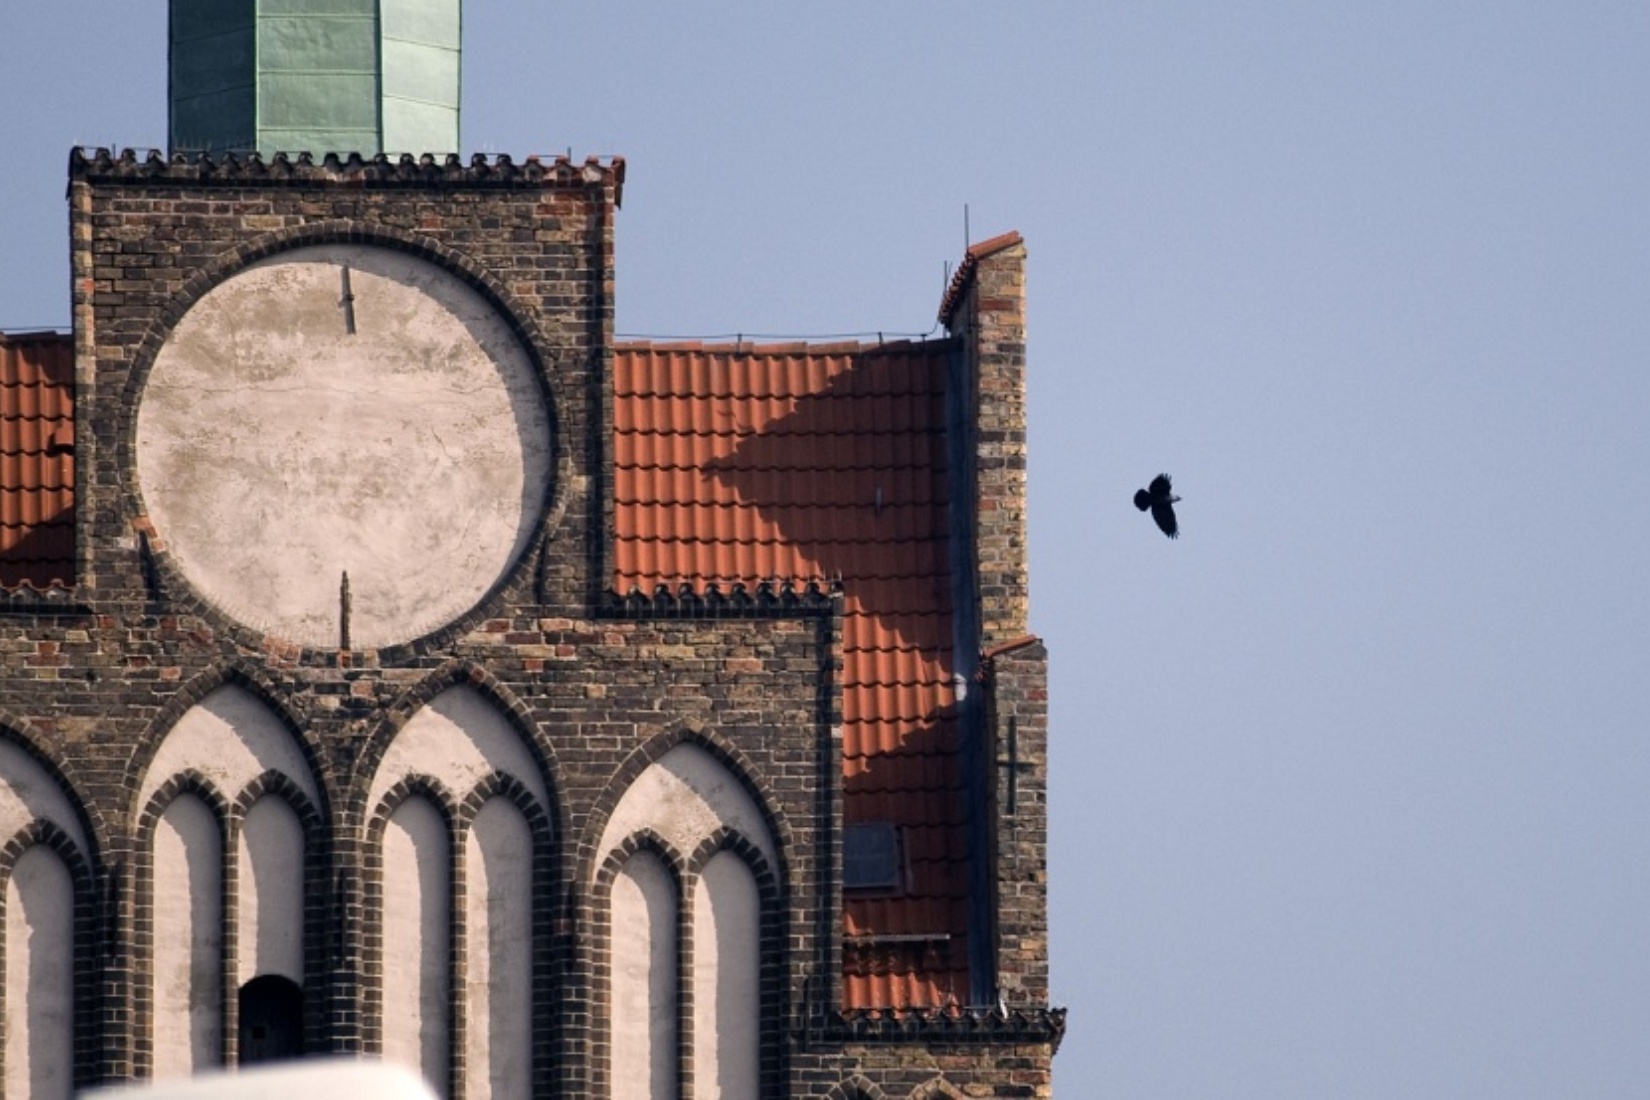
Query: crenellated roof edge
997,1024
101,165
783,598
29,598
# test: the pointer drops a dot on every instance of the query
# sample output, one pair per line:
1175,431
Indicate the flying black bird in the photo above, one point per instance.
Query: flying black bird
1160,498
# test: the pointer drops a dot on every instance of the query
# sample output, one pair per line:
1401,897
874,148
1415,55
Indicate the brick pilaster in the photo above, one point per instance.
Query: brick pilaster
986,308
1016,679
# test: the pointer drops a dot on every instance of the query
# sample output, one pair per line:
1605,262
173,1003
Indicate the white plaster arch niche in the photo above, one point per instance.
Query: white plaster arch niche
38,932
185,995
459,738
644,902
685,797
681,801
225,743
415,928
727,971
39,984
230,738
29,793
344,408
463,745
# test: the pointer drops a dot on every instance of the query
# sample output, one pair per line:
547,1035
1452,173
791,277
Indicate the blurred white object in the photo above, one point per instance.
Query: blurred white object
310,1078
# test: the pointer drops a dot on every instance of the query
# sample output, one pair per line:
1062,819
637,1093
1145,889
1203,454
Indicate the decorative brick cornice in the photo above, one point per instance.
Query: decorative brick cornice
26,599
737,601
1028,1026
200,169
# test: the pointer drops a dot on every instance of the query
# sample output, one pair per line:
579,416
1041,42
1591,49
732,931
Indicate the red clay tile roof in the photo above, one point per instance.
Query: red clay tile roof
36,460
825,463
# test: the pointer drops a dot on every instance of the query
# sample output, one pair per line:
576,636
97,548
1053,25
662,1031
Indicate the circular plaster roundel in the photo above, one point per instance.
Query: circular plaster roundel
343,409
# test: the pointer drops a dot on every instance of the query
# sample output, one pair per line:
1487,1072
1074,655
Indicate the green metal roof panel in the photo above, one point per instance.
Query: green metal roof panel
317,7
435,22
194,19
317,44
217,123
419,128
323,102
420,52
322,76
210,74
214,63
424,73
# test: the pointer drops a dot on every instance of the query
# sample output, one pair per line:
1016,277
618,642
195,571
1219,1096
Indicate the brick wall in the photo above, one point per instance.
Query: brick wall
992,308
96,677
1016,683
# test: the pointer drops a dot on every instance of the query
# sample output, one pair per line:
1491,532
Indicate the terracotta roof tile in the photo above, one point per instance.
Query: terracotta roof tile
965,270
36,460
790,462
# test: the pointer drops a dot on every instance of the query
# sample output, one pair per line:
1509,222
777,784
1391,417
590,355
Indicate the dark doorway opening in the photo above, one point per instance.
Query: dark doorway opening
272,1019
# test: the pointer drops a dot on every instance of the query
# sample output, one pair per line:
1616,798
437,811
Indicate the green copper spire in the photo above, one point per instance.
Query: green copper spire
317,76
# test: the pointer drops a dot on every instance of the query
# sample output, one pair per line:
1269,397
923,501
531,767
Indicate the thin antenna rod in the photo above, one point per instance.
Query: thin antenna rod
343,611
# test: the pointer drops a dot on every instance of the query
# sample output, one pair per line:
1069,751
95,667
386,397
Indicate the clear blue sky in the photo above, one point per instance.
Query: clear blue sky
1352,783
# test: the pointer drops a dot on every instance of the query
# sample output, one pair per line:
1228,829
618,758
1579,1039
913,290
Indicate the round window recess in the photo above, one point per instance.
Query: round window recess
339,410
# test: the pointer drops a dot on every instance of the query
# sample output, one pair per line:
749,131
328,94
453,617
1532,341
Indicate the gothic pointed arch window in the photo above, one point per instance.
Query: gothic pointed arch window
459,857
229,839
271,850
417,929
691,925
727,970
186,861
43,886
498,971
644,944
39,963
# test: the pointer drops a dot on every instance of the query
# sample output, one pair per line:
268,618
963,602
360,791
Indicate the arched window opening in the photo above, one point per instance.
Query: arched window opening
271,1020
727,988
643,937
460,992
498,861
270,909
39,979
187,1024
685,956
417,914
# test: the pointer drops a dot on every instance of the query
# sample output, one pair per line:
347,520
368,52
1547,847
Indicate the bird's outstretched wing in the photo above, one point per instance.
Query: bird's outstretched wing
1163,513
1159,498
